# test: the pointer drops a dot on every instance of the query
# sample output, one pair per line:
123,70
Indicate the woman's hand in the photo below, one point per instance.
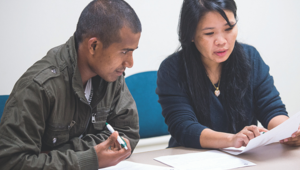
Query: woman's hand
244,136
294,140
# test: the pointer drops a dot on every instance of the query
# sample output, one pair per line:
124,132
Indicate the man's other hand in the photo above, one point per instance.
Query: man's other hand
110,152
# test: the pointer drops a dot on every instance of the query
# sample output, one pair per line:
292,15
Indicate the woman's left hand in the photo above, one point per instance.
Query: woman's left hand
294,140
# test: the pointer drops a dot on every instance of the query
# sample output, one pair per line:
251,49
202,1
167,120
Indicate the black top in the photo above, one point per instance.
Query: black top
262,101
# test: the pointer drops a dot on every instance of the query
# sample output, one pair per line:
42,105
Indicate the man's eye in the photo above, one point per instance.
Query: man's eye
124,52
209,33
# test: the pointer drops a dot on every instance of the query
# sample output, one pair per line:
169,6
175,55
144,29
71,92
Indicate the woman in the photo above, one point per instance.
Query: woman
214,89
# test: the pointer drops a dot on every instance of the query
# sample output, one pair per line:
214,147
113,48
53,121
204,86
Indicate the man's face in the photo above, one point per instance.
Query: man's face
110,63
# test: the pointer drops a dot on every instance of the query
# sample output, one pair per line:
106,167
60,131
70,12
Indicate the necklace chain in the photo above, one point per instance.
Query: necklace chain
217,88
217,91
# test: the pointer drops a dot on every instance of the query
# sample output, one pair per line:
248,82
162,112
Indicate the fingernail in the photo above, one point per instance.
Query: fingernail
294,135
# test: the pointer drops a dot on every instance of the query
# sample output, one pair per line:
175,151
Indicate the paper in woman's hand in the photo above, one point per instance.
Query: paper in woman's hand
282,131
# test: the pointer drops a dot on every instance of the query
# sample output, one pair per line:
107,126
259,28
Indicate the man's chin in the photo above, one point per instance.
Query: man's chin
111,79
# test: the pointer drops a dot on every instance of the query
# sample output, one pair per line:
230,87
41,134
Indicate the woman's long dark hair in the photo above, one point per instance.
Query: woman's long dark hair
235,70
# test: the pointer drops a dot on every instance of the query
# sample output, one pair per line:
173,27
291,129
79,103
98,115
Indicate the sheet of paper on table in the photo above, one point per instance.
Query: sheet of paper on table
127,165
209,160
282,131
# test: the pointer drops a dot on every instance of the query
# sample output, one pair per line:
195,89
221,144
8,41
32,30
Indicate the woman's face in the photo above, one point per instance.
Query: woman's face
214,38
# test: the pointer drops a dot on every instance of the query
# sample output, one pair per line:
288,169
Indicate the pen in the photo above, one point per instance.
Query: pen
120,140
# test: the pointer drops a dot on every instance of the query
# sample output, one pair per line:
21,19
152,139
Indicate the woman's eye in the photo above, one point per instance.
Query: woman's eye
228,29
209,33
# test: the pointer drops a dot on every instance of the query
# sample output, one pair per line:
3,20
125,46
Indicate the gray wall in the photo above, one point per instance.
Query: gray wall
30,28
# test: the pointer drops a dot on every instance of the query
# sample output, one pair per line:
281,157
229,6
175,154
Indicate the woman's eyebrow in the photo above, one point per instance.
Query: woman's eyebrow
232,23
207,28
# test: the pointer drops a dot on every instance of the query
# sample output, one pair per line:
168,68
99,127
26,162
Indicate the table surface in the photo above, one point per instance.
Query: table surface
273,156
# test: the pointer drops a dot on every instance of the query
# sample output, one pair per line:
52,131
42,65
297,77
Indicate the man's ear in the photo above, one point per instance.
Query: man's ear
93,45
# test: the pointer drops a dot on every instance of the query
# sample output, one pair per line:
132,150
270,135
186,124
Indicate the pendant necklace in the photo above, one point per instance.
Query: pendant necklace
217,91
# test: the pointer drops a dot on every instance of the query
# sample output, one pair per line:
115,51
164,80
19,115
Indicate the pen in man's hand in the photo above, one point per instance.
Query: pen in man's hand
120,140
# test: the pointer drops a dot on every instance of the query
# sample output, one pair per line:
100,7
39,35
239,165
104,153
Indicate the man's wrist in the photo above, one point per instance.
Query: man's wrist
88,159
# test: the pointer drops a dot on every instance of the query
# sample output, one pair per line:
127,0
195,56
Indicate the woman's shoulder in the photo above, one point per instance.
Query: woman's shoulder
172,62
172,59
259,67
249,49
251,53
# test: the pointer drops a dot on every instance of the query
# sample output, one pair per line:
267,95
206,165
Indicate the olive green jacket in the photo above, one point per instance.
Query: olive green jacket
47,111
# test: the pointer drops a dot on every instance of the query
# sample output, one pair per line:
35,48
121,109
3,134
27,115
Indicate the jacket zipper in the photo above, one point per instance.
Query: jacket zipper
87,123
94,118
71,124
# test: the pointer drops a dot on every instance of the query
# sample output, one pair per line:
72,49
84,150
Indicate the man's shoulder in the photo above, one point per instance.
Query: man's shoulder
46,74
50,67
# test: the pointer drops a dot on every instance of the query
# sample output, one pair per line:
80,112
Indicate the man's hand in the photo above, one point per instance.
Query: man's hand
244,136
110,152
294,140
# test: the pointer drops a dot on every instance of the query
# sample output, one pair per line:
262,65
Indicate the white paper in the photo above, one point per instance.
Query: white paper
209,160
282,131
127,165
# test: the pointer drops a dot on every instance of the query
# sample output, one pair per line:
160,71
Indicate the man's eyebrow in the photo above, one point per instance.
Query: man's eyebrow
129,49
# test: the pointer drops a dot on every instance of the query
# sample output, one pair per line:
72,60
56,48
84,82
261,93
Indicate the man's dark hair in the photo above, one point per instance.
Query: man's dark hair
104,19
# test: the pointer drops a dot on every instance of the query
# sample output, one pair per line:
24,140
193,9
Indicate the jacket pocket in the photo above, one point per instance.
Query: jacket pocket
100,119
55,135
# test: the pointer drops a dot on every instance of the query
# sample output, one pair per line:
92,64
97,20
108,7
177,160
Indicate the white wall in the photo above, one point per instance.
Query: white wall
30,28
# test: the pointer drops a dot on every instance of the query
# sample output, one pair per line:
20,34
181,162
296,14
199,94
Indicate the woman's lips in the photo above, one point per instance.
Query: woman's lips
221,53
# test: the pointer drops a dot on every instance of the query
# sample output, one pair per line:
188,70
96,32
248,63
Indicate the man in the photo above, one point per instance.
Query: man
55,116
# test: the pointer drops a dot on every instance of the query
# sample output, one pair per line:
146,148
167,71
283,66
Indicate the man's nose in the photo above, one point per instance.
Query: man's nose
129,61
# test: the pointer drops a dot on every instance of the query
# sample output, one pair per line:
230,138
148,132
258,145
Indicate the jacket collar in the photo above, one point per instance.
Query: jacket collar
76,78
99,84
